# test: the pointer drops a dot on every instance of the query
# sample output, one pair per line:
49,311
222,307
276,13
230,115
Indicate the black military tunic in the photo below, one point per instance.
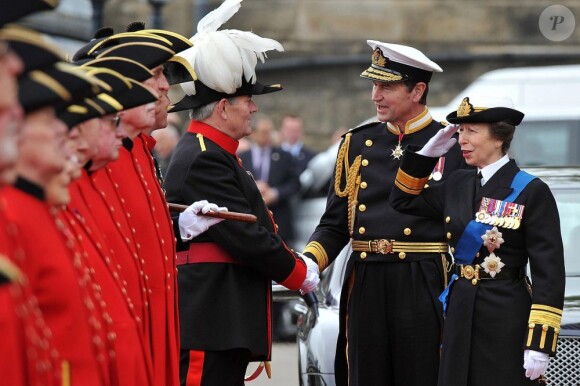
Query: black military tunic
227,305
490,322
394,319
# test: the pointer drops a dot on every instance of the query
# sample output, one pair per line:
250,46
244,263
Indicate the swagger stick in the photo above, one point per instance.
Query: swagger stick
236,216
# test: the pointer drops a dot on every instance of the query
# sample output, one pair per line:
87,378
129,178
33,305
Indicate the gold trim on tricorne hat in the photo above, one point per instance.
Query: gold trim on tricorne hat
158,38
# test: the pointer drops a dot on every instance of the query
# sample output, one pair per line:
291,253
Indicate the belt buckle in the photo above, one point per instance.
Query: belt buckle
470,272
384,246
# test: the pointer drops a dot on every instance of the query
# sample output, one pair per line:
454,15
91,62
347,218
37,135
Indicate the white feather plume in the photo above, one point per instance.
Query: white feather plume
221,58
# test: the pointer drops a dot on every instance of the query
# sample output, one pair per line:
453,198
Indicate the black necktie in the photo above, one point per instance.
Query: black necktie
477,184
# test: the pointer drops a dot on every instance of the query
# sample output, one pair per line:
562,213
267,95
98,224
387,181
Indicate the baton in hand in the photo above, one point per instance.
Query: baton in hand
236,216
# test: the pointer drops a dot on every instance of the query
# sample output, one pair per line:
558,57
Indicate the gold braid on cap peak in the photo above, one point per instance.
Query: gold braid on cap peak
352,179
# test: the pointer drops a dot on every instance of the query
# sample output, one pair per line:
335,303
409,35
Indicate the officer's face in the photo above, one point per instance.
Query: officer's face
239,115
479,148
394,103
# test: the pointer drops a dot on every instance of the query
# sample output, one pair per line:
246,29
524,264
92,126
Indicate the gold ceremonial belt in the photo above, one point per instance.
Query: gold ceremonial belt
385,246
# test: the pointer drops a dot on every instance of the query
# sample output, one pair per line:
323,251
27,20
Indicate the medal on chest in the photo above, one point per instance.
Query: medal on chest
499,213
397,152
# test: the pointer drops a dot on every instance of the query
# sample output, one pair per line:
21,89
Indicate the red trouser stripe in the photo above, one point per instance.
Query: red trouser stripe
195,368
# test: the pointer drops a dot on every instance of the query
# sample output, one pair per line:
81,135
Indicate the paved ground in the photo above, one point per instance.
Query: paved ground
284,367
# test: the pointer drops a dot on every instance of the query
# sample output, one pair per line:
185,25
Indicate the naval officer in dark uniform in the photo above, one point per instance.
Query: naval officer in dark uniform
498,329
390,318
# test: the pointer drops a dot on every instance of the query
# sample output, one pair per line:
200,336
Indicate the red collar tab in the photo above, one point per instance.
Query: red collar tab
222,140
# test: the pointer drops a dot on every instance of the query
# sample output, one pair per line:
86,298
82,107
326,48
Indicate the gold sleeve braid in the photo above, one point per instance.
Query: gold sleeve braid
352,178
543,328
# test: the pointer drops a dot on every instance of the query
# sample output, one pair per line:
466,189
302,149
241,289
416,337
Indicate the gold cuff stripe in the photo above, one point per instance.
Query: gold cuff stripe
547,318
319,252
547,308
201,142
409,184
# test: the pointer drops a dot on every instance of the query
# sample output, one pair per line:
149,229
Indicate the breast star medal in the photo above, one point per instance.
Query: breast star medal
492,264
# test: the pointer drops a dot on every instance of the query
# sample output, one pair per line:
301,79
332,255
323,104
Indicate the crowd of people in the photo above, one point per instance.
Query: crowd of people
113,272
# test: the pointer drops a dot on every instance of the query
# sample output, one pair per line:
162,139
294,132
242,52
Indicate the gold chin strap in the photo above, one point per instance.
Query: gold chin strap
352,179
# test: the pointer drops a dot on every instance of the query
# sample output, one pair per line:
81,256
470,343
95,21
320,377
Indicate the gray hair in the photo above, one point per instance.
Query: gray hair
203,112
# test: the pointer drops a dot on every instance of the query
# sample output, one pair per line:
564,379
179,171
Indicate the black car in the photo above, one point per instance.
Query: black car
318,326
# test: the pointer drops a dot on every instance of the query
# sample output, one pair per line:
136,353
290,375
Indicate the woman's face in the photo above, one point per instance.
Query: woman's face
478,147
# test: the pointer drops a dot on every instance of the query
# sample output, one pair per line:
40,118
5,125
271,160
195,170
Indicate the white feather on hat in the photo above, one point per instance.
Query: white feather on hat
221,58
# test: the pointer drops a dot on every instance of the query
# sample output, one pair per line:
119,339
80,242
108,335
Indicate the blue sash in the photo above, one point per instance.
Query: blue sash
470,241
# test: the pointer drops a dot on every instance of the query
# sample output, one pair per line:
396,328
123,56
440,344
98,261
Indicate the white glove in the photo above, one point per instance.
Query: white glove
191,224
312,275
440,143
535,363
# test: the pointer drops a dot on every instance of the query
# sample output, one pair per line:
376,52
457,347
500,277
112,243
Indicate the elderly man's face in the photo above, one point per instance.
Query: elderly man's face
159,83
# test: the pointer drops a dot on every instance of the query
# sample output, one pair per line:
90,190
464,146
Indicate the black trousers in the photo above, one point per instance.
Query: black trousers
213,368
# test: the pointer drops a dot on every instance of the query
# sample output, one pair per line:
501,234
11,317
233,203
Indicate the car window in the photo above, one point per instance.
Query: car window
547,143
568,201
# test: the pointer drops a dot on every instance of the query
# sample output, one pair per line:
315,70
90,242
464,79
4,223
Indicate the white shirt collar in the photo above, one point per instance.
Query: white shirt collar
488,171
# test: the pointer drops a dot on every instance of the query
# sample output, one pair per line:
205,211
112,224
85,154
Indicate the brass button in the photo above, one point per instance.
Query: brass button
363,255
402,255
365,162
426,186
447,219
369,143
407,231
362,207
363,185
448,235
452,250
362,230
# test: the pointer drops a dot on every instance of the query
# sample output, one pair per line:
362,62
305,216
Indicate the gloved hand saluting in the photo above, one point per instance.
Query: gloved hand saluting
192,224
312,275
535,363
440,143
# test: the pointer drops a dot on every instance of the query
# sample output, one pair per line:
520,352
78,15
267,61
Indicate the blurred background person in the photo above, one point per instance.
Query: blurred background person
292,141
275,173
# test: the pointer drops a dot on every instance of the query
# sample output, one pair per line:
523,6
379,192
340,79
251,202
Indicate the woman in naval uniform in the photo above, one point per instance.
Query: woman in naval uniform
499,329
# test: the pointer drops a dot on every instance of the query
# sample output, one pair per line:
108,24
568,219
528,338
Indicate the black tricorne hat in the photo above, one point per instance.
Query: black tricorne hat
486,110
205,95
57,86
35,50
20,8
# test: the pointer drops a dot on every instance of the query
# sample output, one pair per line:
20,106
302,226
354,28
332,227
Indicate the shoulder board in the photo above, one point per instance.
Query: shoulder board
9,272
363,126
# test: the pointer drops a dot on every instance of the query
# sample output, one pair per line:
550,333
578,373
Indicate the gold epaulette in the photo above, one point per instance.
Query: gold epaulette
352,178
319,253
543,328
409,184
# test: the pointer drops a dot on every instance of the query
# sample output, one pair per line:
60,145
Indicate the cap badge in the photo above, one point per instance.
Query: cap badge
378,59
465,108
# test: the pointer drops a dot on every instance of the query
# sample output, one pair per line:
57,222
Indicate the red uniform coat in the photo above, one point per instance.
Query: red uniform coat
132,353
25,358
138,190
66,297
